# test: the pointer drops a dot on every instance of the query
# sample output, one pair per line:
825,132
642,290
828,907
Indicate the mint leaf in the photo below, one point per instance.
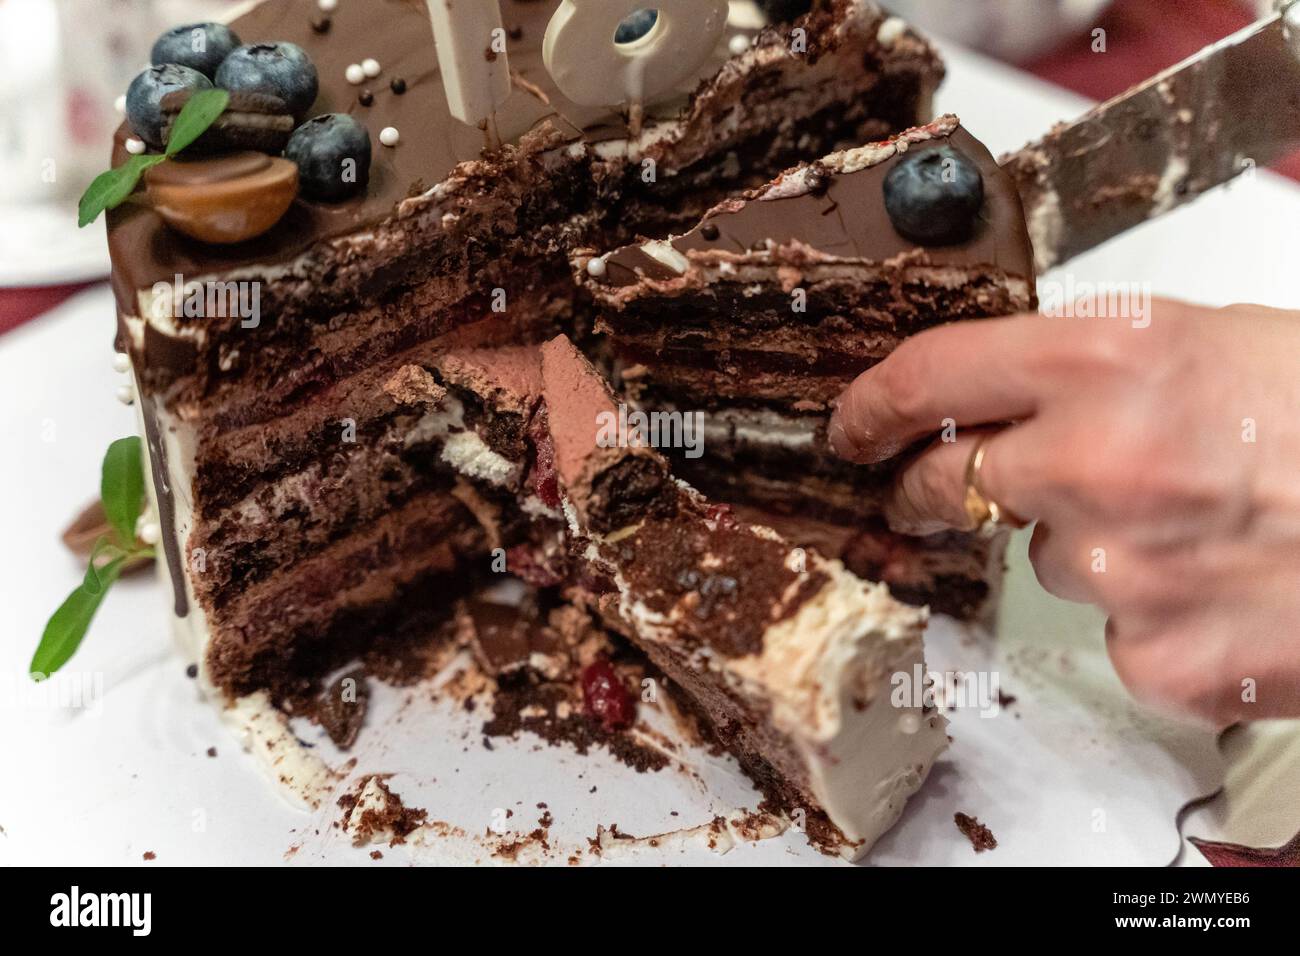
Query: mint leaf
121,488
68,625
109,190
199,112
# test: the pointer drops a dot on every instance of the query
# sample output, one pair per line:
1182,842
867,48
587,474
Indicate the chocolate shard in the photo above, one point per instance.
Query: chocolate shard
341,708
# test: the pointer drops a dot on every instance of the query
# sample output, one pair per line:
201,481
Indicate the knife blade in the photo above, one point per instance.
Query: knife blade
1232,107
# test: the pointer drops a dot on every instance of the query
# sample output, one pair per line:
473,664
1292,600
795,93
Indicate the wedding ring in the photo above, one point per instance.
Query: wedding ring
986,515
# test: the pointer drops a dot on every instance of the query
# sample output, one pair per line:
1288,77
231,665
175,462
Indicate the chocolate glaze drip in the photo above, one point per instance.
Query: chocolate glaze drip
849,220
166,502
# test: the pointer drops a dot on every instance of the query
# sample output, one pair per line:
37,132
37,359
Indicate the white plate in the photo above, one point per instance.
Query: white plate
40,244
1082,776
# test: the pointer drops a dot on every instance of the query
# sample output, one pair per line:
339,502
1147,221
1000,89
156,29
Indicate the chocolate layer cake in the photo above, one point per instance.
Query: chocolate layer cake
763,312
300,503
786,656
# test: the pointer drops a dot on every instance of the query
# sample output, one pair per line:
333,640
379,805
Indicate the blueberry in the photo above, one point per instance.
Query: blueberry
322,147
934,197
281,69
200,46
636,25
143,97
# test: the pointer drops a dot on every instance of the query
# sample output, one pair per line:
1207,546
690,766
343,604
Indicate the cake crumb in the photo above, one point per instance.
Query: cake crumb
413,385
981,837
150,855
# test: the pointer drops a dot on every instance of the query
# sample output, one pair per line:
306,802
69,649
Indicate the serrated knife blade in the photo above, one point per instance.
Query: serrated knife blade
1234,106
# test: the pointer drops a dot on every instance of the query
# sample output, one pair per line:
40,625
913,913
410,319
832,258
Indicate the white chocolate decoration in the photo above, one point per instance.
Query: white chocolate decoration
475,69
592,70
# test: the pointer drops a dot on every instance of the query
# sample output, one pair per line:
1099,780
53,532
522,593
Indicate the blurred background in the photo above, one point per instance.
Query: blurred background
64,63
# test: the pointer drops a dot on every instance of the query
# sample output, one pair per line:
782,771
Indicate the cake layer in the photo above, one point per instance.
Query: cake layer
276,620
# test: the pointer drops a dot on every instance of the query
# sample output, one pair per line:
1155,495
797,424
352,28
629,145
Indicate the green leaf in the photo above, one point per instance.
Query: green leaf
200,111
111,189
68,625
121,488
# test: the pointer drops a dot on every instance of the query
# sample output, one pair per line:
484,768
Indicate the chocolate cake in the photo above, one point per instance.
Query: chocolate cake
764,311
787,657
298,506
335,466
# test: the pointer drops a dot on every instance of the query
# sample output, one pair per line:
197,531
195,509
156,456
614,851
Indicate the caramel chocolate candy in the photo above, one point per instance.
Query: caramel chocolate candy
251,121
223,200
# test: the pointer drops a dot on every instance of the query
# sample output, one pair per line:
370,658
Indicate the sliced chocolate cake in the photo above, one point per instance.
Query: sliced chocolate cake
787,657
304,508
768,308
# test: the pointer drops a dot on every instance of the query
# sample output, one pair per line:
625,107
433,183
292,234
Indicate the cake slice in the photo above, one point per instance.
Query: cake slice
788,659
769,307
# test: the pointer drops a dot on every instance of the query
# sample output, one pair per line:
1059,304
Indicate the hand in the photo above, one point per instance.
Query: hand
1161,464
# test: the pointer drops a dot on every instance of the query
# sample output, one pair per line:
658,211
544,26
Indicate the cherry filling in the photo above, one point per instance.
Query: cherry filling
542,479
604,697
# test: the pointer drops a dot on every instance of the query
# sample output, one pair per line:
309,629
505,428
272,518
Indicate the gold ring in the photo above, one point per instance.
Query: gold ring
985,514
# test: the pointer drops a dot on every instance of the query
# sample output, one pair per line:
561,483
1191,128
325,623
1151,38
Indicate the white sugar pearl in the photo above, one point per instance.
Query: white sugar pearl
909,723
126,394
355,74
596,267
134,146
121,362
148,532
371,67
119,104
738,45
389,136
329,6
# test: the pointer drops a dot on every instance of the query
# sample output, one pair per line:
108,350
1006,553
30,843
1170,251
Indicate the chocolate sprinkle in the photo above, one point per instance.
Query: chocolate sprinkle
398,85
322,24
366,98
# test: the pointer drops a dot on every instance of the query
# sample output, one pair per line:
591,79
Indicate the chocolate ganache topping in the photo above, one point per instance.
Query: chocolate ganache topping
397,34
845,216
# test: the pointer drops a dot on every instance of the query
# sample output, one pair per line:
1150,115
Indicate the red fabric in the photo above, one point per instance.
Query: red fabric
19,305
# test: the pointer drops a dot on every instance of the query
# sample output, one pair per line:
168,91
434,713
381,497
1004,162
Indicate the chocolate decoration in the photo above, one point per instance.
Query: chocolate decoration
256,121
399,35
225,200
166,503
849,220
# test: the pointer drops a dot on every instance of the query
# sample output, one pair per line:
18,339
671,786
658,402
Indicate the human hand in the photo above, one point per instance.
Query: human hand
1161,464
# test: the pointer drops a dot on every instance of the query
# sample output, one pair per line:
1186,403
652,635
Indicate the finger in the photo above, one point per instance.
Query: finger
973,373
929,492
1065,566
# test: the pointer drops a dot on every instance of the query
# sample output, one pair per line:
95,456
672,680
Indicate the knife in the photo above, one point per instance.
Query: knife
1234,106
